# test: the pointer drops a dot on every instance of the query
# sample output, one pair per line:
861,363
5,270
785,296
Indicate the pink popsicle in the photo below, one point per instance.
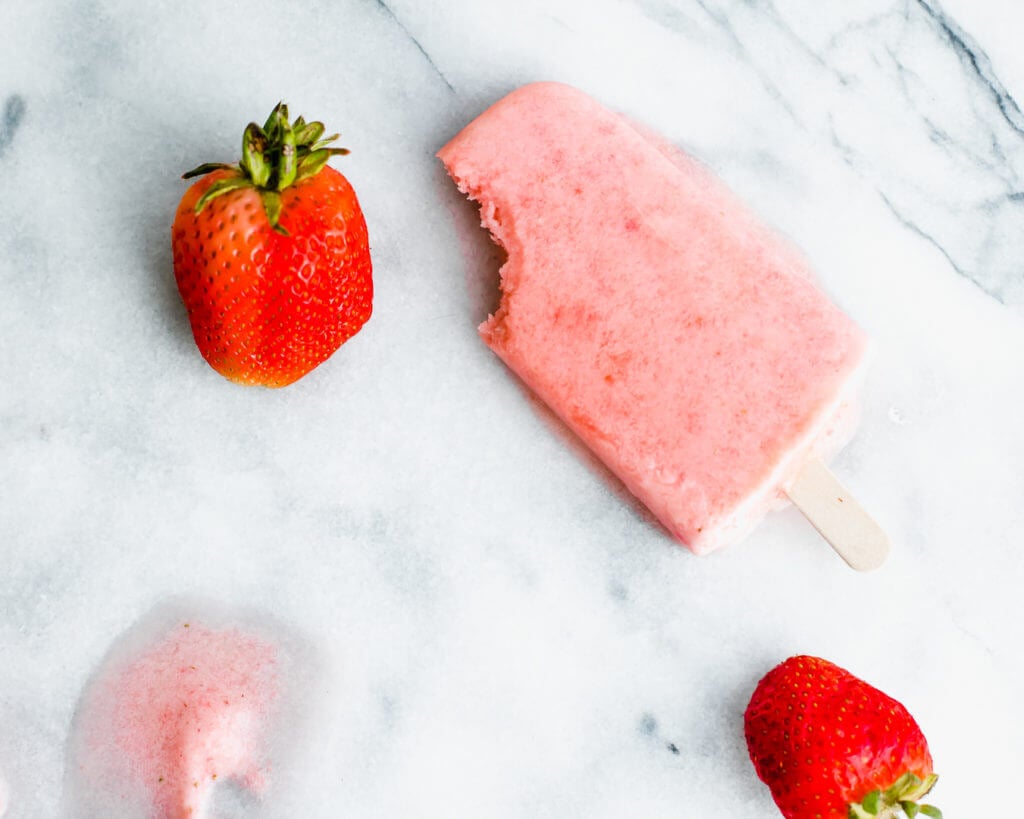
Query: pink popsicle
176,716
678,337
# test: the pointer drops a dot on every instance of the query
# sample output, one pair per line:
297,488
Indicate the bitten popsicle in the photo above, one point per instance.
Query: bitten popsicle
677,336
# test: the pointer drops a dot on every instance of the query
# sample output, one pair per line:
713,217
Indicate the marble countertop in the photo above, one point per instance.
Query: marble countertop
500,631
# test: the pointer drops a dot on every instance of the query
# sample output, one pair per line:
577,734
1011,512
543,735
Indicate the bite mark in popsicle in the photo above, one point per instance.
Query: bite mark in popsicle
167,722
677,336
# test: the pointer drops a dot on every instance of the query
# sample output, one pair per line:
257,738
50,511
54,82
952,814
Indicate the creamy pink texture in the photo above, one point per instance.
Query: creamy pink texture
188,710
676,335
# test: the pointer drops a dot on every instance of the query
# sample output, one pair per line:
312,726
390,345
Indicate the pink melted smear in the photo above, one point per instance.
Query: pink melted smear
190,710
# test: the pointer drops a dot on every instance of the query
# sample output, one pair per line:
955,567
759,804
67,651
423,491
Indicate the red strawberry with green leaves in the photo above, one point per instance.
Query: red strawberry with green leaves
271,255
830,746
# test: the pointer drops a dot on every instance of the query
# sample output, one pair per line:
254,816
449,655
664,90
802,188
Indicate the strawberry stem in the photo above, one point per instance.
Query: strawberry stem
274,158
208,167
900,799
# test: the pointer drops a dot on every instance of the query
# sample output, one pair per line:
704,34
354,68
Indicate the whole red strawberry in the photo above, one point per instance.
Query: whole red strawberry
830,746
271,255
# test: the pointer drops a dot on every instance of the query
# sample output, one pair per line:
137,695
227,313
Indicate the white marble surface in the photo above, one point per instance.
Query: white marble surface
502,633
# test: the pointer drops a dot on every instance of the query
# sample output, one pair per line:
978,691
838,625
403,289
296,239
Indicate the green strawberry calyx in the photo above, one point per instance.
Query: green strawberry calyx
901,799
274,158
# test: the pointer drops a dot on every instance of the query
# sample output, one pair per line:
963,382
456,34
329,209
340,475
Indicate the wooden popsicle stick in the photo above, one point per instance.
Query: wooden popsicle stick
838,517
